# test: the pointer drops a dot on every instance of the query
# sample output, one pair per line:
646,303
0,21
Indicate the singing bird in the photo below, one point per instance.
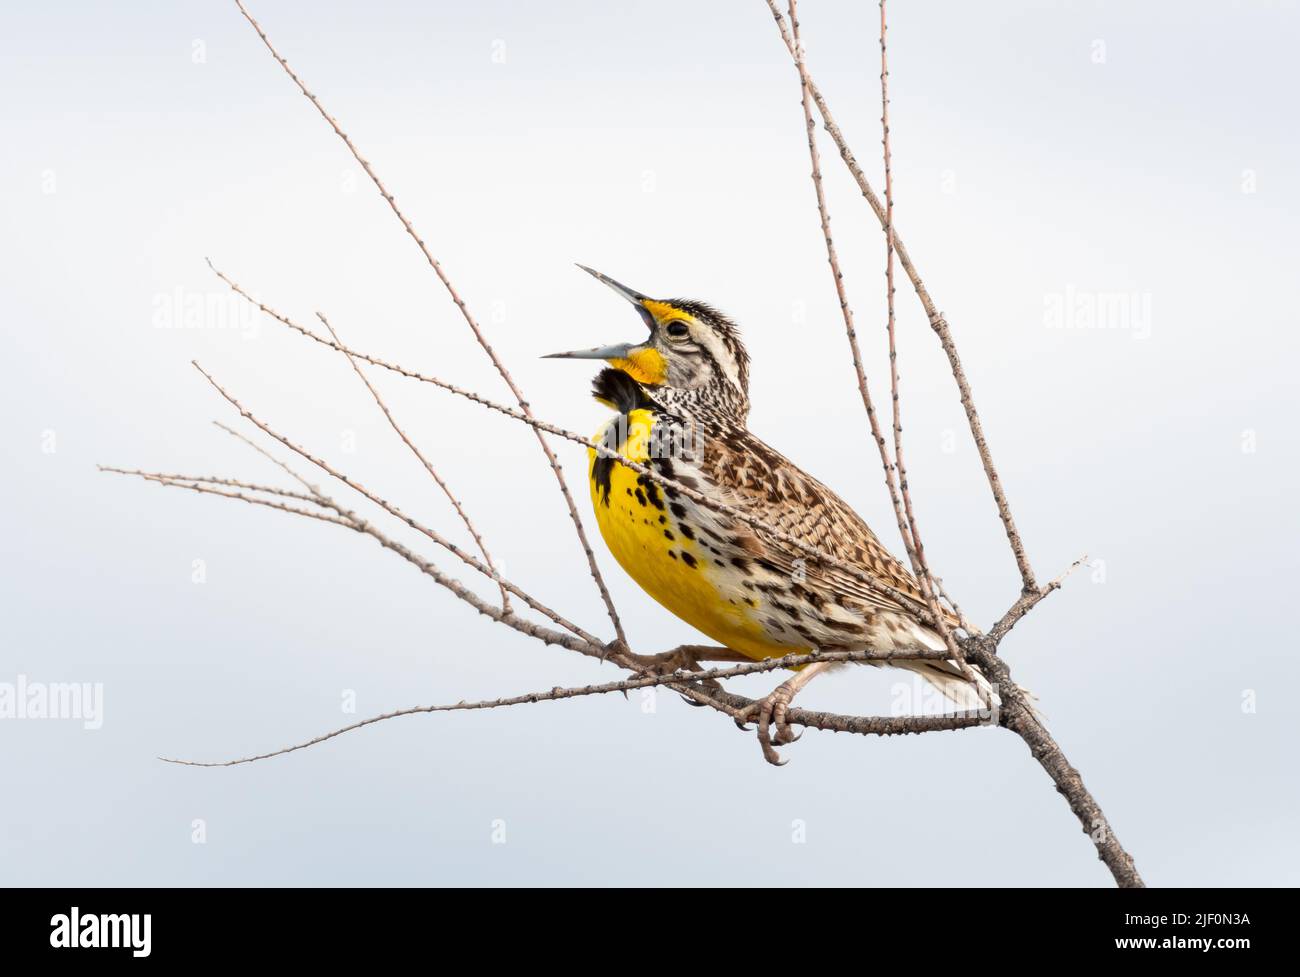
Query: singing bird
682,402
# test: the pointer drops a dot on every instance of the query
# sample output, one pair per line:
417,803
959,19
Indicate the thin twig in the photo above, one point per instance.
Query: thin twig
397,513
314,498
887,725
922,569
962,620
937,321
864,387
902,505
428,467
1027,602
313,489
469,320
580,641
920,565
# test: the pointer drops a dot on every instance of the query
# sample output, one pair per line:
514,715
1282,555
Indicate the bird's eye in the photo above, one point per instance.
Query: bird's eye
677,329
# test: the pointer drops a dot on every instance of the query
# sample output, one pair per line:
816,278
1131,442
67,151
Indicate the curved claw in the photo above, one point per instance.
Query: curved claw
769,751
781,706
767,707
773,709
612,647
742,721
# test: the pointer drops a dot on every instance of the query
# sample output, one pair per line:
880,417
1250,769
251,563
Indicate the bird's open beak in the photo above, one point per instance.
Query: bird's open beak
618,351
641,360
631,294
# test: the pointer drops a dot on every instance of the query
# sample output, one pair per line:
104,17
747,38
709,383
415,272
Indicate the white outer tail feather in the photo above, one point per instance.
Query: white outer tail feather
947,677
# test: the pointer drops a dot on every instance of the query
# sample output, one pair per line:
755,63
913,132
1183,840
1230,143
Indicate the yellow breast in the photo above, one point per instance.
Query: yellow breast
680,573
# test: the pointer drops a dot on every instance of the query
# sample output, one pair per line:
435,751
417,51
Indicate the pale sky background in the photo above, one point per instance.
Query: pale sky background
1043,153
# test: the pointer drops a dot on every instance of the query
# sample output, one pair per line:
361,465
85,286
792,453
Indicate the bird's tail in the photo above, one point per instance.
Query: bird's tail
949,679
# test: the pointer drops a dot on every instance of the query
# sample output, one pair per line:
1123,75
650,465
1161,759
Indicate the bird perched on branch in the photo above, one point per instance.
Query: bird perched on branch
682,397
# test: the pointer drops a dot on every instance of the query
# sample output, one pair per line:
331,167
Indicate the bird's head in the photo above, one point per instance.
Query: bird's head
693,352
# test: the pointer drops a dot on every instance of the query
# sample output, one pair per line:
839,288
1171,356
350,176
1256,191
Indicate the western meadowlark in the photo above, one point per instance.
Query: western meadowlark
682,398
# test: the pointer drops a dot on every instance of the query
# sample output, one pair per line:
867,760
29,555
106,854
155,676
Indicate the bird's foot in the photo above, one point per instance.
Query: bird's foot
771,711
684,659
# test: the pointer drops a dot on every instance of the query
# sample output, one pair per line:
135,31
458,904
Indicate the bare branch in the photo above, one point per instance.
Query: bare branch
903,513
864,387
963,621
877,725
397,513
205,486
920,565
469,320
1018,716
580,641
1027,602
937,322
313,489
315,498
433,472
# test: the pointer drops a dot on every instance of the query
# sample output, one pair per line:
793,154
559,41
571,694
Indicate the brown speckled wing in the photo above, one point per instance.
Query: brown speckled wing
748,474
